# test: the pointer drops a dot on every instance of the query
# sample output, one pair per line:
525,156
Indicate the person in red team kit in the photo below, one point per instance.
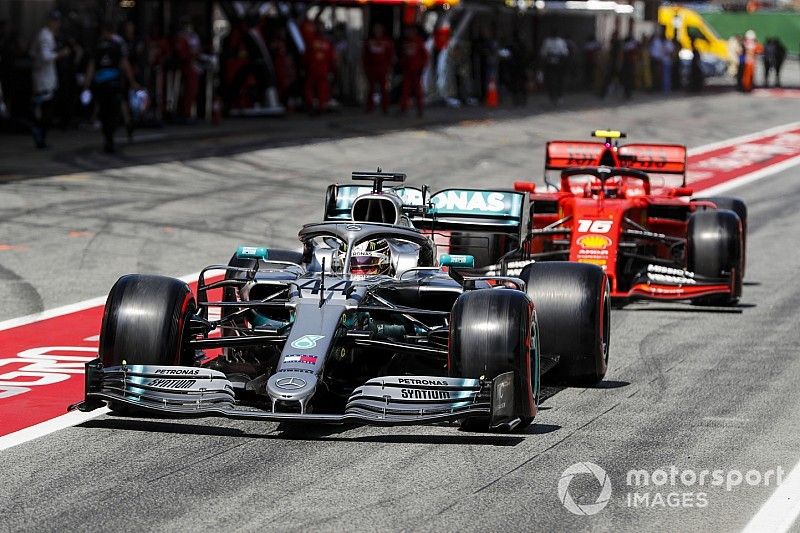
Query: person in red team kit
319,60
378,56
187,51
413,59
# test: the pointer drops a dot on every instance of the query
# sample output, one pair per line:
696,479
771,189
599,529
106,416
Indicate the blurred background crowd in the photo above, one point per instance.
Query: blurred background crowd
138,63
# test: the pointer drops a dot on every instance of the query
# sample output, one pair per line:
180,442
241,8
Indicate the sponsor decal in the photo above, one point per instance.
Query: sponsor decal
599,262
594,241
306,341
179,371
414,381
422,394
594,226
465,201
291,383
301,358
173,383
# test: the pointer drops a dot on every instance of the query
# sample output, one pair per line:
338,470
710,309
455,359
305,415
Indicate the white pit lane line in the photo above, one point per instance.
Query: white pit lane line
780,511
72,418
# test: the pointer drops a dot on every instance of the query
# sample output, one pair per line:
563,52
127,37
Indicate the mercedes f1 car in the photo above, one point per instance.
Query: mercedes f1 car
625,208
368,324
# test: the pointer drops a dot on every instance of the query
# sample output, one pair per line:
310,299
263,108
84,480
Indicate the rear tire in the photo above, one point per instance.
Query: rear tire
492,331
714,249
573,310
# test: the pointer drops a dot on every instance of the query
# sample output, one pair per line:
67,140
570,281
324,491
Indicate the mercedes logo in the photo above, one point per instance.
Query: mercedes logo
353,227
290,383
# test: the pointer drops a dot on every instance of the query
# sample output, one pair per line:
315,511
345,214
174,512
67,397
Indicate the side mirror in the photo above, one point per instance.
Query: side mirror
683,191
524,186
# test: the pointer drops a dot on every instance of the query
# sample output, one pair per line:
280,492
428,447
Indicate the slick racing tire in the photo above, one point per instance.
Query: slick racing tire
714,249
493,331
144,323
738,206
573,310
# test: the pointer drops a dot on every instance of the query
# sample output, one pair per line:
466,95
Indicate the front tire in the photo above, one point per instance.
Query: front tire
714,249
144,322
738,206
492,331
573,309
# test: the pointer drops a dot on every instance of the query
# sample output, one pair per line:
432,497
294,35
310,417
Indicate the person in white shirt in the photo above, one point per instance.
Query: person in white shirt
554,54
44,76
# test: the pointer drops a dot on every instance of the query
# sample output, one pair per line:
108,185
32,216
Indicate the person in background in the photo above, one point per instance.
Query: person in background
657,59
591,56
320,61
780,57
677,77
768,59
137,56
774,55
554,54
630,58
187,52
413,58
740,63
644,68
612,64
45,77
752,48
518,66
67,67
667,58
283,65
105,75
377,57
696,77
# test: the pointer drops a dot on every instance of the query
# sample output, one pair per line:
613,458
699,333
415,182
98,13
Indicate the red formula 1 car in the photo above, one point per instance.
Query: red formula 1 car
626,209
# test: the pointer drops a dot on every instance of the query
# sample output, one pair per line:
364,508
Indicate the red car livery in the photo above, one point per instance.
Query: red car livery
626,208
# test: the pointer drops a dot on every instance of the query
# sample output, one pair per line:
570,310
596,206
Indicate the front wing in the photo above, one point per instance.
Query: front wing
186,392
664,283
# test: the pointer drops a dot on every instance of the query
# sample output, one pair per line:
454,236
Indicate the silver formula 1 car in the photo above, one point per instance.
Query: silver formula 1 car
381,319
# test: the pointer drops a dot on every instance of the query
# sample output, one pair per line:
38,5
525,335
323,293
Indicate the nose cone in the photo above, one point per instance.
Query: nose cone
291,386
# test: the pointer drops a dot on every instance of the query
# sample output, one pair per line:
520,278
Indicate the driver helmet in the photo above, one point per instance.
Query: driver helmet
370,258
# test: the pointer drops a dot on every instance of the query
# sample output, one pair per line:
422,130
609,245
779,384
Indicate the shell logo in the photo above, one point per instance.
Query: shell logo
594,241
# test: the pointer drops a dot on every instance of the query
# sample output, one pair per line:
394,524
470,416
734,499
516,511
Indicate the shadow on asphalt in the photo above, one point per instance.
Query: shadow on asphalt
314,433
182,143
687,308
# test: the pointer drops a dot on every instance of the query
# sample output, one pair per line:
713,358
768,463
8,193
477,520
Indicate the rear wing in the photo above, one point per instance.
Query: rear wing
653,158
499,209
656,158
569,154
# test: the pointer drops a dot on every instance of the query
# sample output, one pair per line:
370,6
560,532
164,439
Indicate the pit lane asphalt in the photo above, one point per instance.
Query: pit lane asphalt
694,388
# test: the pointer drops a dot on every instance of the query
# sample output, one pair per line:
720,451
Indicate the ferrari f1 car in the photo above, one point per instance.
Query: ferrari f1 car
625,209
364,325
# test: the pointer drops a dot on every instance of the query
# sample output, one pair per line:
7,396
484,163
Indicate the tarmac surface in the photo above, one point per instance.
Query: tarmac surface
691,387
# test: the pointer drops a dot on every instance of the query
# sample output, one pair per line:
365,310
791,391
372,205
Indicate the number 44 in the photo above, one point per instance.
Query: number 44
594,226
